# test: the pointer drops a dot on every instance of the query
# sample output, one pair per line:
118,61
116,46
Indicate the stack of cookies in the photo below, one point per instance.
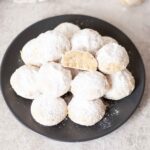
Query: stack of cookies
70,59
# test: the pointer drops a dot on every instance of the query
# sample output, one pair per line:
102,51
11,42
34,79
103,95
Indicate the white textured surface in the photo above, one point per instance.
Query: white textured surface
135,133
48,46
108,39
48,111
86,40
54,79
86,112
112,58
68,29
24,81
122,84
89,85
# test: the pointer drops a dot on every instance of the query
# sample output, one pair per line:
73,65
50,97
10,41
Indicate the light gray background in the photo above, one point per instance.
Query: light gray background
135,22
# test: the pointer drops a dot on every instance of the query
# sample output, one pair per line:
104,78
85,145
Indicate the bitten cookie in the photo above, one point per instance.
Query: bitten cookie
79,60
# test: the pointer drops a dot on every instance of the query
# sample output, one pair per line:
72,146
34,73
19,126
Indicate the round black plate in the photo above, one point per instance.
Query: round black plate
118,111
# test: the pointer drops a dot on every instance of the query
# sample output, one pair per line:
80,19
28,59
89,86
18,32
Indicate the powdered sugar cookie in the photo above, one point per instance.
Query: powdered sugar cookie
132,2
24,81
79,60
48,46
68,29
108,39
31,54
122,84
112,58
86,112
86,40
89,85
48,111
54,79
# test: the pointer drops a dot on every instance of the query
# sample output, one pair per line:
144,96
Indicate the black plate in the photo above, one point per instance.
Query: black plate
118,111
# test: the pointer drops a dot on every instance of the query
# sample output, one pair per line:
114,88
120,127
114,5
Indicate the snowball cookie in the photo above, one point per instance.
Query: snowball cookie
89,85
67,29
31,53
48,111
24,81
54,79
112,58
108,39
132,2
79,60
122,84
86,40
86,112
48,46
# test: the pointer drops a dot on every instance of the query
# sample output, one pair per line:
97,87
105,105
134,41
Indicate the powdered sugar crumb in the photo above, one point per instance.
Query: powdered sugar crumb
106,122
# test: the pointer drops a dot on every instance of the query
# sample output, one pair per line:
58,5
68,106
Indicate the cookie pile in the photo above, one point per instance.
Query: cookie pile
81,61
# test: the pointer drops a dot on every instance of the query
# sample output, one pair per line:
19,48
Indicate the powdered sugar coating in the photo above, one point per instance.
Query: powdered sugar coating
31,54
122,84
48,46
48,111
112,58
24,81
74,72
89,85
108,39
86,40
86,112
54,79
67,29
